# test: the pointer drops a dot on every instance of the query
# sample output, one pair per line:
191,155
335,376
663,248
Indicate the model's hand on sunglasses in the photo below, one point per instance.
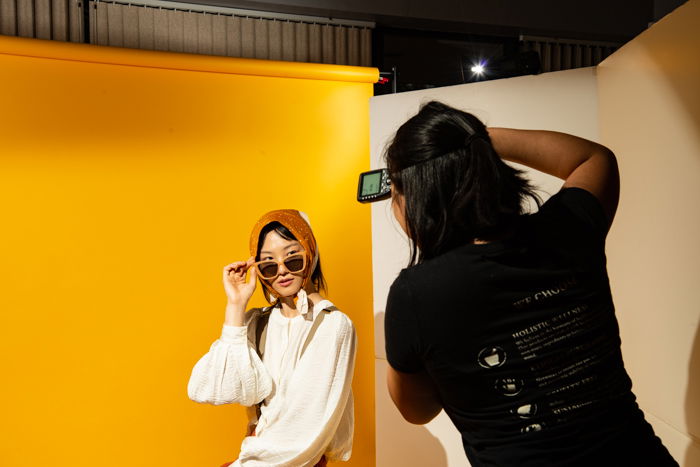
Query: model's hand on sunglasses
238,289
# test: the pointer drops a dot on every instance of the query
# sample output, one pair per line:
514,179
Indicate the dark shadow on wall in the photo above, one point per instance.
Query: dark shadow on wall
692,402
418,445
379,350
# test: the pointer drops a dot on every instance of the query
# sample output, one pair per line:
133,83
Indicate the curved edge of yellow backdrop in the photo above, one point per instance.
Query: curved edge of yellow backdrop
40,48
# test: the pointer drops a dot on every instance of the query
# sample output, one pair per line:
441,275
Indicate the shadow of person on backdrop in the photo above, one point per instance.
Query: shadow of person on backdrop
692,403
400,443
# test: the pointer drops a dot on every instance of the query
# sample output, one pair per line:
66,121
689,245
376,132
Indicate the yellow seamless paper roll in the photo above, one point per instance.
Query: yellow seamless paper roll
129,179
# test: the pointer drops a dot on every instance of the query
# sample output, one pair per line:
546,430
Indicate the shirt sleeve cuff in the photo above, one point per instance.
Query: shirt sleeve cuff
234,334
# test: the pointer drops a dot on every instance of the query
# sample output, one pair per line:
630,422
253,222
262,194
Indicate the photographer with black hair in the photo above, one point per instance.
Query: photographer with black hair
505,319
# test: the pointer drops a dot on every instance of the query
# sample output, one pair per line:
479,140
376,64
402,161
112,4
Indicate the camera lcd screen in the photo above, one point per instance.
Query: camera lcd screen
371,183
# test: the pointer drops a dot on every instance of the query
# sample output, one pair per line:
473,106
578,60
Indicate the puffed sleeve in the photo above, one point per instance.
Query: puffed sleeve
231,372
316,417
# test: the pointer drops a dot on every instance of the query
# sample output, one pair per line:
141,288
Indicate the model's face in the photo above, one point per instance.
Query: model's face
276,248
398,206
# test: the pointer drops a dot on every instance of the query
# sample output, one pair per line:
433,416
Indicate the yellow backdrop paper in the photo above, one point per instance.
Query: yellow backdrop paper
128,179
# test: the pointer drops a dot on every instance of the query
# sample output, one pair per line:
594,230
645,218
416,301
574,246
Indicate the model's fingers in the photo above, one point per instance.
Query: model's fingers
235,265
235,271
244,265
253,275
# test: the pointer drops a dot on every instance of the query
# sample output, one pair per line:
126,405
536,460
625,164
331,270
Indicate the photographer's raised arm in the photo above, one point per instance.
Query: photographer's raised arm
579,162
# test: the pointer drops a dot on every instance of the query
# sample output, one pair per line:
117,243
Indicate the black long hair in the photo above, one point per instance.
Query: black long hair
456,187
317,278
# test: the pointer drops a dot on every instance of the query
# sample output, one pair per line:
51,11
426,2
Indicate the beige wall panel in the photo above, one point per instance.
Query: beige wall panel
115,24
247,38
176,31
366,47
287,40
302,32
341,45
353,46
146,31
275,40
233,36
261,38
312,44
59,20
100,32
130,15
160,29
75,15
650,116
42,19
681,445
189,33
218,34
328,43
25,18
204,34
8,13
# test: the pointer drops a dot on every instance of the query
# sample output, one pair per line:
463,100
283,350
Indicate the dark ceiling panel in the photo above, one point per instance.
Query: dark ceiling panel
616,20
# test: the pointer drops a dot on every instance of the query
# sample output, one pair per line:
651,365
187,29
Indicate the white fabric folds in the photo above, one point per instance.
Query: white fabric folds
308,406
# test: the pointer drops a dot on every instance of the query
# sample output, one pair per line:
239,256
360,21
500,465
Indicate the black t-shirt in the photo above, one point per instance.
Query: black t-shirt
521,340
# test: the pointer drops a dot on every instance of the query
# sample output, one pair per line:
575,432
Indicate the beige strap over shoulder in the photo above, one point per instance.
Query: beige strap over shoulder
261,329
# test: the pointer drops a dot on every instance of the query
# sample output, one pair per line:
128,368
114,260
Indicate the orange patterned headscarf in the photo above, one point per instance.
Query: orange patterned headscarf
298,224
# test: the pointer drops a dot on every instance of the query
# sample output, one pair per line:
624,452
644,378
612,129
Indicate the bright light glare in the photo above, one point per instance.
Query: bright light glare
478,69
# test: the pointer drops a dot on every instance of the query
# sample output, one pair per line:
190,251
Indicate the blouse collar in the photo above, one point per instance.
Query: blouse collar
303,307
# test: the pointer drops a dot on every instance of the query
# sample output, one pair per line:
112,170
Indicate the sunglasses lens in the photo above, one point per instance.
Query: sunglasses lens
268,270
294,264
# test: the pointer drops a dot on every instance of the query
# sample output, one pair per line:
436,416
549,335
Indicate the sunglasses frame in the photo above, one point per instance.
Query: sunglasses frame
279,263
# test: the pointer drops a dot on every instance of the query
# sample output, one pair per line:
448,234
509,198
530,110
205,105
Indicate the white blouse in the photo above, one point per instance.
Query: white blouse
308,406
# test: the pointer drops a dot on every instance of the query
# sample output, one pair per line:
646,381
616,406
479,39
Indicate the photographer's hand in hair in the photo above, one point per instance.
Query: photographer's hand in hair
579,162
238,289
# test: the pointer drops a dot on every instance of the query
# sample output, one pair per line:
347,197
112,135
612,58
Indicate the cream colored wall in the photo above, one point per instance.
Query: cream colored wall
650,116
563,101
